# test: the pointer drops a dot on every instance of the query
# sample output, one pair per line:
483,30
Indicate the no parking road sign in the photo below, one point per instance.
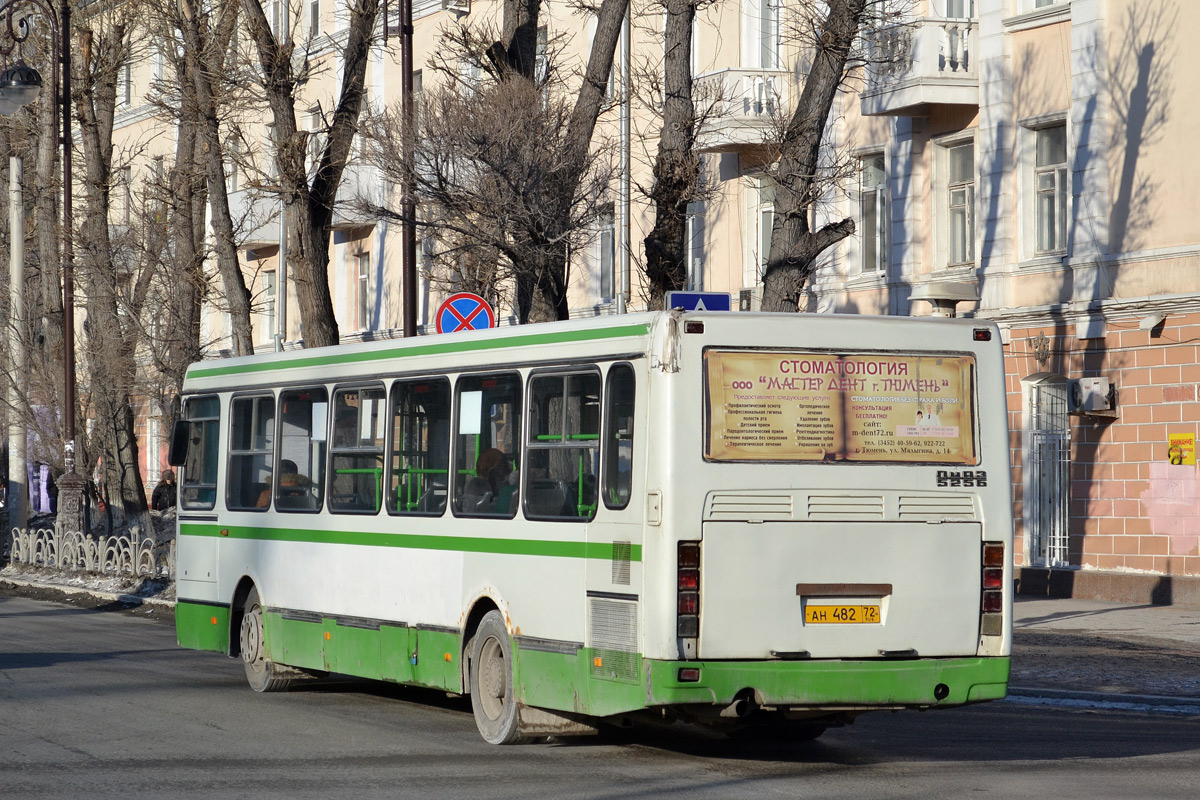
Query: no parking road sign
464,312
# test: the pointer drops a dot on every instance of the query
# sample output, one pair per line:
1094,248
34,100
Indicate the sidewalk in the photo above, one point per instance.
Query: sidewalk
1087,652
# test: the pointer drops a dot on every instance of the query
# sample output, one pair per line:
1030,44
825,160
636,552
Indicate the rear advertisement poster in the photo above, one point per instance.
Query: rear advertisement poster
786,406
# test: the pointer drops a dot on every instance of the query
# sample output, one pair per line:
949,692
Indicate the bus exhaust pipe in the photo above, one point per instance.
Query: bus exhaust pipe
740,708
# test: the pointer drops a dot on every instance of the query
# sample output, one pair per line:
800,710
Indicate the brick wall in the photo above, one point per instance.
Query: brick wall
1129,508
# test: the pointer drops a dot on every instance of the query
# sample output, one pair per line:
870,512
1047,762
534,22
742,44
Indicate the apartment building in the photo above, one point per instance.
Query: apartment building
1023,161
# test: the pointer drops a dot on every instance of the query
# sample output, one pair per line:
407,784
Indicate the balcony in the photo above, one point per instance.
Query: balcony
921,63
255,218
743,106
256,211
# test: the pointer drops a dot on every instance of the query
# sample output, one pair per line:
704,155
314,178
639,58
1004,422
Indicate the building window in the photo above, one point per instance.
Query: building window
693,247
760,220
364,290
763,30
873,208
541,61
316,138
123,199
125,85
1050,186
606,252
961,203
270,164
314,18
269,307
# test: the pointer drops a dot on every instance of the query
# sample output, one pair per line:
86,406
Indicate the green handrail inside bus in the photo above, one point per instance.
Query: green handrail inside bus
413,488
376,471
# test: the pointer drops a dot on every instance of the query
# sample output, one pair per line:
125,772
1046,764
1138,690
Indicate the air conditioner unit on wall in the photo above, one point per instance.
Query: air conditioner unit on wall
750,299
1092,396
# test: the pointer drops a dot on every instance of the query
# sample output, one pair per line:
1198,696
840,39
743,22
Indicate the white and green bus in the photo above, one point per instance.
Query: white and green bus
717,517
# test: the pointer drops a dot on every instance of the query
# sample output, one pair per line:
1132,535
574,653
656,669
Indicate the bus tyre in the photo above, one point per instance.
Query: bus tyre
492,696
263,675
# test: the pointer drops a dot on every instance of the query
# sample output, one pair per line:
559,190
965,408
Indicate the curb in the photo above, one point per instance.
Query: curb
1176,704
125,599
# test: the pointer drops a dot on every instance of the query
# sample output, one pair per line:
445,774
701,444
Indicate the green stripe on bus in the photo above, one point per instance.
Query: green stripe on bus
463,544
349,356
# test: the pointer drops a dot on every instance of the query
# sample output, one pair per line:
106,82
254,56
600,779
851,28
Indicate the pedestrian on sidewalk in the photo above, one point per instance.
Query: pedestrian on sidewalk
164,493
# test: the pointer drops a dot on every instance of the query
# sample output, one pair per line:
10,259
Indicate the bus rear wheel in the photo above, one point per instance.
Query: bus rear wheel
262,674
492,698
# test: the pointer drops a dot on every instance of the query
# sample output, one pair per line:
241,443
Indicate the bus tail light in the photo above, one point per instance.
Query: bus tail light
991,604
688,591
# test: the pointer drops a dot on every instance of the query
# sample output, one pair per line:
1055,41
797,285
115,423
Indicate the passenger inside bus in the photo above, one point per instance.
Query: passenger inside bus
293,487
491,489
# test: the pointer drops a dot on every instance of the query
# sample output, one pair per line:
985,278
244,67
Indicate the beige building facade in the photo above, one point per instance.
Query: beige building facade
1024,161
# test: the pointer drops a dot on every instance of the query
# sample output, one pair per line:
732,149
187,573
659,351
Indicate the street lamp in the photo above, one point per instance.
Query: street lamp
20,85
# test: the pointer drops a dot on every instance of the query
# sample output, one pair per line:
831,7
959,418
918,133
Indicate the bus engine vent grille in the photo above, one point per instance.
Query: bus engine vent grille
613,638
845,507
622,554
936,507
738,506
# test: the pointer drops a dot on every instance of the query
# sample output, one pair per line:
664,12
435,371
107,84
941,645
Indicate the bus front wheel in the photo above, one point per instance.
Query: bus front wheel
492,697
262,674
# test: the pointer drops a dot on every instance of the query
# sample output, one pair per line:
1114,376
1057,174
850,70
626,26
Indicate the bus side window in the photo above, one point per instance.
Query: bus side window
300,477
419,470
487,445
562,452
198,477
618,433
251,448
356,450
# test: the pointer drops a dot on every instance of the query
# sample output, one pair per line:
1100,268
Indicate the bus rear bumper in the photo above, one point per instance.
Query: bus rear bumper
831,685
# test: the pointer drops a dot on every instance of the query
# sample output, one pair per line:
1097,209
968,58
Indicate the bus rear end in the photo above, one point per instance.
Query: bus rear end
848,547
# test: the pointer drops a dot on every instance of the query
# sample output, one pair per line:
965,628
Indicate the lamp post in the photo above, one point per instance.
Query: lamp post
20,85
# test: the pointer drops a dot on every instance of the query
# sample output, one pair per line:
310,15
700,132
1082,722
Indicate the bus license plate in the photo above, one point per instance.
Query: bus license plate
841,615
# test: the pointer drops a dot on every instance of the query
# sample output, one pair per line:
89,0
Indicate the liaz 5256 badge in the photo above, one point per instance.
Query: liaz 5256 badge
967,477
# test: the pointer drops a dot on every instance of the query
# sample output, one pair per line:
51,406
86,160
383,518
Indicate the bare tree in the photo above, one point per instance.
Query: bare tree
506,164
835,26
310,203
114,288
677,167
205,33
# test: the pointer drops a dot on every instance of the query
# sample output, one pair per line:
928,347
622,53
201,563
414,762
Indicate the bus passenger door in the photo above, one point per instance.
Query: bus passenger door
614,543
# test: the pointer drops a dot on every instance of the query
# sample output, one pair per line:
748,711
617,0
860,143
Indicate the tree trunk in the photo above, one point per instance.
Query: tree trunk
110,346
675,169
310,206
794,248
200,52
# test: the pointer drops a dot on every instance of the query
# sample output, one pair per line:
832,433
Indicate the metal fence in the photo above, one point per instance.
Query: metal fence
129,554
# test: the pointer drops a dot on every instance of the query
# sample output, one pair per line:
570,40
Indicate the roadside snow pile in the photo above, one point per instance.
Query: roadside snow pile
120,546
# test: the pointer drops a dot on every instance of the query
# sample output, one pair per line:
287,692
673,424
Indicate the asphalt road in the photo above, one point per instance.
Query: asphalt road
98,705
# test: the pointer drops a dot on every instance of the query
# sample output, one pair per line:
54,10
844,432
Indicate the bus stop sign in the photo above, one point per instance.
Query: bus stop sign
698,301
464,312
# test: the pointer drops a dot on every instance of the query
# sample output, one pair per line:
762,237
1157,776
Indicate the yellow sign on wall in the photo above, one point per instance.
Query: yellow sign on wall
1181,448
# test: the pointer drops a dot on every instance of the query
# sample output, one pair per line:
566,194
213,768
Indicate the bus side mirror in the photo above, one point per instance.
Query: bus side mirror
177,454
